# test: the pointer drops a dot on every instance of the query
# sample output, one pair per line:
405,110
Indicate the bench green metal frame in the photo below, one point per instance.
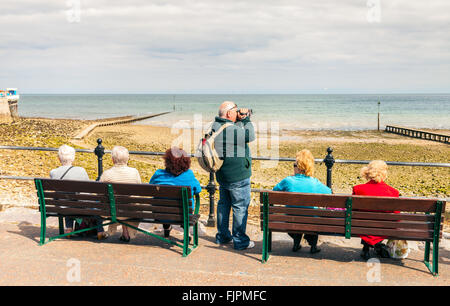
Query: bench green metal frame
112,203
432,267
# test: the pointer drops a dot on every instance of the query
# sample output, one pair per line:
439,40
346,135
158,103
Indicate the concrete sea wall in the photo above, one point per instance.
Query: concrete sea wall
5,113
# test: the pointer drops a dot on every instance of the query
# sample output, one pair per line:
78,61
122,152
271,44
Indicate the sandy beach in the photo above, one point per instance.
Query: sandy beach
355,145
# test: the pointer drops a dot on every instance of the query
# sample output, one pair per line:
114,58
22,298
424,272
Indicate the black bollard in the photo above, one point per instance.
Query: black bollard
99,151
212,191
329,162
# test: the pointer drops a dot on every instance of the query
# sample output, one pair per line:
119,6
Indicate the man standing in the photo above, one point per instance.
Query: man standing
234,175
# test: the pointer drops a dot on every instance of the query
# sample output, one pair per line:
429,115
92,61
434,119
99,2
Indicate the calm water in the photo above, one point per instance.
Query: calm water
340,112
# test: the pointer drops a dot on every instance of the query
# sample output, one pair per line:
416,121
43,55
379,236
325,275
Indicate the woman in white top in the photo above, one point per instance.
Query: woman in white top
121,173
66,171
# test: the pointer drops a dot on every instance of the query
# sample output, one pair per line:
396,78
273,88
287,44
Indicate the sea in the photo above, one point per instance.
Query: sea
346,112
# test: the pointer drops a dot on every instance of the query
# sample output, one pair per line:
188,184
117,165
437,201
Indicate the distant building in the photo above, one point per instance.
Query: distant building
9,100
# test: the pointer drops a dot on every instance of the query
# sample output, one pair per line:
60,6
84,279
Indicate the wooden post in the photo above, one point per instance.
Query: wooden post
378,116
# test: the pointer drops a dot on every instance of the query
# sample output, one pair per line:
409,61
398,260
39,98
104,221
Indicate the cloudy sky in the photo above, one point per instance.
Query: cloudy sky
211,46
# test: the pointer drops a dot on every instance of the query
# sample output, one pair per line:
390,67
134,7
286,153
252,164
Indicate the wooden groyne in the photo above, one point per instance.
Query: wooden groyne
114,121
418,133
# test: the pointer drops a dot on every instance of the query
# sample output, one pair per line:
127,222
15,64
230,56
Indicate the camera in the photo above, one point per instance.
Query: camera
250,112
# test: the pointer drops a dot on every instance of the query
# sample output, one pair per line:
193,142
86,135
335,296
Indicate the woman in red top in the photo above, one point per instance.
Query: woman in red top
375,173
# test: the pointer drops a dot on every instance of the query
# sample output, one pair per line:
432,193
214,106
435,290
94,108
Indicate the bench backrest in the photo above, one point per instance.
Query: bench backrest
362,215
140,201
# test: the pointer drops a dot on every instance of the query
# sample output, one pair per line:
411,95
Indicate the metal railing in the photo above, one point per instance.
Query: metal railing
211,188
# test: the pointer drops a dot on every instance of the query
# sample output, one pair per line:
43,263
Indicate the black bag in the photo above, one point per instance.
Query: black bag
87,223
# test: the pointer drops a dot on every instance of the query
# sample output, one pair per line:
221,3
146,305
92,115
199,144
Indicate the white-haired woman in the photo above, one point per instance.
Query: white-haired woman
121,173
375,173
67,171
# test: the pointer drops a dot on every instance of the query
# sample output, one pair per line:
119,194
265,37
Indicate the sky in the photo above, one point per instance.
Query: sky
210,46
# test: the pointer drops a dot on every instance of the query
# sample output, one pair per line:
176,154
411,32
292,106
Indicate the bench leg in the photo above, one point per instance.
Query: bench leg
427,252
435,258
61,225
43,230
269,242
265,246
186,241
195,235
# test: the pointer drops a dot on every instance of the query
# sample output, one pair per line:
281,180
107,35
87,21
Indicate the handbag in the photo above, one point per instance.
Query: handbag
398,249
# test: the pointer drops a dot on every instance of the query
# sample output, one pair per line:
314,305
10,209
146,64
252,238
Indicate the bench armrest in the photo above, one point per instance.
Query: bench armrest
197,204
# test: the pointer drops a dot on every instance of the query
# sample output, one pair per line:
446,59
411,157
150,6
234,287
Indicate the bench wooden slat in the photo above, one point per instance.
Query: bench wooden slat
77,211
307,220
306,199
148,215
314,228
419,226
161,191
355,222
306,211
74,186
77,204
150,208
394,233
353,235
75,196
287,227
393,216
400,204
356,214
145,200
192,220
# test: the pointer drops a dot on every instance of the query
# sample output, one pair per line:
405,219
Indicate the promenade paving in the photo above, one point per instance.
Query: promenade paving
149,261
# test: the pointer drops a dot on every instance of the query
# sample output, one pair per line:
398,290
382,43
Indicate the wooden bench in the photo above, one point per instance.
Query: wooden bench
419,220
111,201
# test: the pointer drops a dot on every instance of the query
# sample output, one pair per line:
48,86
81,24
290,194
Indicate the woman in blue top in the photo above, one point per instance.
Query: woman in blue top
303,181
177,173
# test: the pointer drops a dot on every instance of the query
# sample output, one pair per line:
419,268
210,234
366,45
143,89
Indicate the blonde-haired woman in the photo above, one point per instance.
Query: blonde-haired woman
303,181
375,173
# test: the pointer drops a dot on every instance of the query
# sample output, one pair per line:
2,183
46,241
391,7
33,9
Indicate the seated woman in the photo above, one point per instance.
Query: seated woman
66,155
177,173
303,181
375,173
121,173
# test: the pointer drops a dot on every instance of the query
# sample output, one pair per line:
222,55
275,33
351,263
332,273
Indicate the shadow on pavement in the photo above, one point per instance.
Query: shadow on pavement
32,232
229,248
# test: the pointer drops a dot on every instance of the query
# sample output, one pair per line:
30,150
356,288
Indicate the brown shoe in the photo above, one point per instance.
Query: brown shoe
67,232
102,236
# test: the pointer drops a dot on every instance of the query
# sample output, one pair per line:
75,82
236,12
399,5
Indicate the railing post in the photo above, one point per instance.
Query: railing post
212,191
329,162
99,151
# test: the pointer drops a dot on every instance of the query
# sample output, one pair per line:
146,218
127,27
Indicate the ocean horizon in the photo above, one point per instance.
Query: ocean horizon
348,112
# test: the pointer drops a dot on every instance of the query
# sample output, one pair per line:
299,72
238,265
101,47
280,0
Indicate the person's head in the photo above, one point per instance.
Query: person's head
66,155
176,161
375,171
120,155
304,163
228,110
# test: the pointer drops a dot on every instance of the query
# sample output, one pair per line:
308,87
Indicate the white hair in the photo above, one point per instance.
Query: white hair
225,107
66,155
120,155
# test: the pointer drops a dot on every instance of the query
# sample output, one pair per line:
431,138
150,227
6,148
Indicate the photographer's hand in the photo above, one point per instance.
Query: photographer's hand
244,111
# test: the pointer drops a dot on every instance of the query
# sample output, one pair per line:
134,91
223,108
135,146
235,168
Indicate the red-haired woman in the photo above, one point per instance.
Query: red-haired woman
177,173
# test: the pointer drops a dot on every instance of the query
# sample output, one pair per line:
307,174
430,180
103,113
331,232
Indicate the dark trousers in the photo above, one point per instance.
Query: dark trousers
311,238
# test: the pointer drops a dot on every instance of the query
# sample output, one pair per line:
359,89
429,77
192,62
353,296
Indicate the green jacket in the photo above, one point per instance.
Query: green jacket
232,146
